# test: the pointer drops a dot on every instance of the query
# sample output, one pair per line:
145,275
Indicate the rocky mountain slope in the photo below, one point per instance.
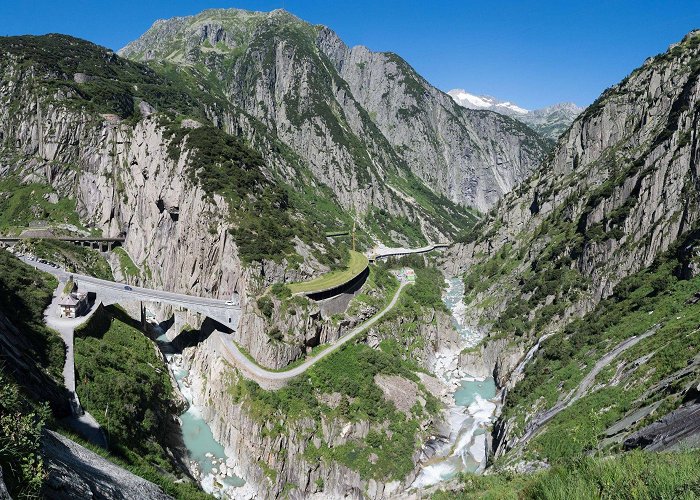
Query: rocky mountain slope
353,425
36,461
549,122
366,123
211,201
590,267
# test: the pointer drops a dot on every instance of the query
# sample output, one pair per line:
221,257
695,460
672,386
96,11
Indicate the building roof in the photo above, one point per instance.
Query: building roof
68,301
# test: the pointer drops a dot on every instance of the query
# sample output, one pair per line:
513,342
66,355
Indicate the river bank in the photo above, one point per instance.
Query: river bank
208,461
471,405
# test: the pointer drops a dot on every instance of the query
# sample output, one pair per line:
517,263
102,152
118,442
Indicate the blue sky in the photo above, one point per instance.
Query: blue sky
532,52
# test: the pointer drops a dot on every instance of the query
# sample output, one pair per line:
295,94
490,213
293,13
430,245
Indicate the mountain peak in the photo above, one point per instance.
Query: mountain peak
549,122
472,101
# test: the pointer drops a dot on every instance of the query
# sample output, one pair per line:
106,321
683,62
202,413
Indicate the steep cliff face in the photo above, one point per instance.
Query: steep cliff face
618,192
321,437
618,200
365,122
135,176
472,157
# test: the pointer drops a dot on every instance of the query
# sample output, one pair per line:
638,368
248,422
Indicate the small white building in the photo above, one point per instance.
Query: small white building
72,305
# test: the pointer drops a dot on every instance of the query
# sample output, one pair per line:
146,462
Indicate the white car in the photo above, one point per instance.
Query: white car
230,303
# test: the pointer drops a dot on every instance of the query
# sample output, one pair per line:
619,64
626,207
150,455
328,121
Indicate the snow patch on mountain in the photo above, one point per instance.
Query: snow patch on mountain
549,122
464,98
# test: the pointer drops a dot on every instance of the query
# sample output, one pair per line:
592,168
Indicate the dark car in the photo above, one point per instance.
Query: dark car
128,288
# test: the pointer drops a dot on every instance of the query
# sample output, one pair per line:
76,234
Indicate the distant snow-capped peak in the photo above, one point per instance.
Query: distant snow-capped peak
549,122
471,101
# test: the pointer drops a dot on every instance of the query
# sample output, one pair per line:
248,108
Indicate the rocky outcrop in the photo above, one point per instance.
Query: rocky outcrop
422,336
4,494
492,358
270,453
76,472
125,182
268,457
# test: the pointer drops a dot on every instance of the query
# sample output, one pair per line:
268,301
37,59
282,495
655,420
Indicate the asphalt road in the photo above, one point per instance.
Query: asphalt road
390,252
258,373
136,293
252,369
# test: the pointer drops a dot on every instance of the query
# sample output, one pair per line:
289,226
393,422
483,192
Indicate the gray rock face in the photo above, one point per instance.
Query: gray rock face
469,156
76,472
358,118
4,494
678,430
250,441
619,191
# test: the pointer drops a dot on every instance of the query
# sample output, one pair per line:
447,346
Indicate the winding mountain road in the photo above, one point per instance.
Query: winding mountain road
274,379
381,251
111,292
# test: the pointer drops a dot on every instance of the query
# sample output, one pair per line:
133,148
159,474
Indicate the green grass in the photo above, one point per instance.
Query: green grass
21,423
21,204
381,223
637,475
358,263
127,265
125,385
73,258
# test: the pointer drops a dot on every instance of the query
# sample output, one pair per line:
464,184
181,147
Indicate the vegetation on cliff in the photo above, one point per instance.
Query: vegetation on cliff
575,254
71,257
111,84
341,389
21,423
24,295
125,384
663,299
633,475
24,203
264,222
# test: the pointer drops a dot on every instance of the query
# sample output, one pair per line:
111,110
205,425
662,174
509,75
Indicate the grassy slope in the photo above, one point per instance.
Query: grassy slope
24,294
652,297
21,204
358,263
125,385
349,373
636,475
129,269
